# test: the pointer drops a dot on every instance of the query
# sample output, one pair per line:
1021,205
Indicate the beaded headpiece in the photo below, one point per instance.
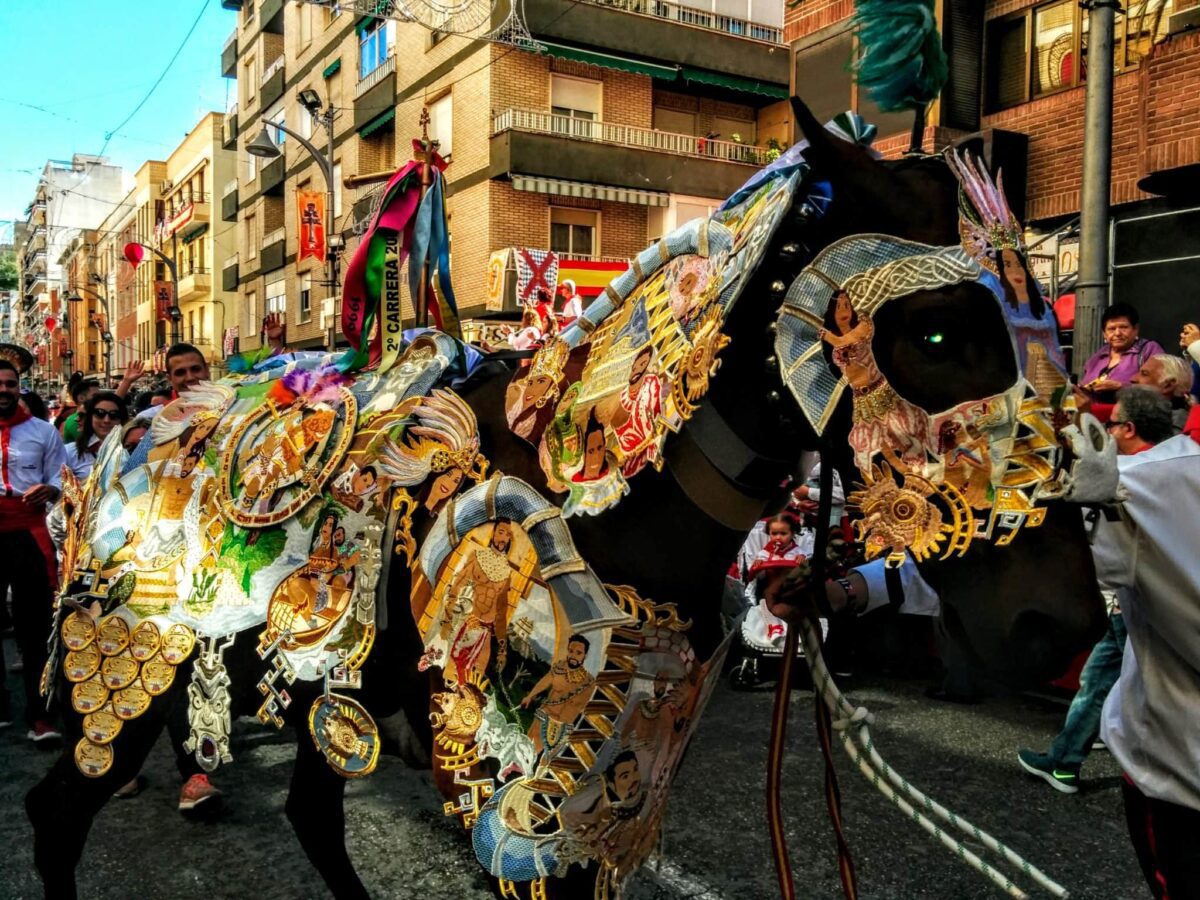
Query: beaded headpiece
21,359
986,225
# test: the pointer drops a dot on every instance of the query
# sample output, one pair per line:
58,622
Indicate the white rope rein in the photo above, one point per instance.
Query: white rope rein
852,723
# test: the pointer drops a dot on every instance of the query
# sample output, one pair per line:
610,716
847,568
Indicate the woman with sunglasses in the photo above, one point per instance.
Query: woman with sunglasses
101,414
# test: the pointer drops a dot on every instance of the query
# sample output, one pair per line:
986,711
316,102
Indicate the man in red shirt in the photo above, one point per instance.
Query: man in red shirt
31,460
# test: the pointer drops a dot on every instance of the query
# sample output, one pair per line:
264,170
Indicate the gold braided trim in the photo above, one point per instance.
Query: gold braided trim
637,270
566,567
489,497
664,252
612,294
586,325
542,515
451,530
702,249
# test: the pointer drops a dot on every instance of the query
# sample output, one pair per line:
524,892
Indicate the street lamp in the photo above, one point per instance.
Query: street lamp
105,332
265,148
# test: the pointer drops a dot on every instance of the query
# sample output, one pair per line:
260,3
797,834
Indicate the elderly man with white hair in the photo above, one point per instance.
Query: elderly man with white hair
1170,375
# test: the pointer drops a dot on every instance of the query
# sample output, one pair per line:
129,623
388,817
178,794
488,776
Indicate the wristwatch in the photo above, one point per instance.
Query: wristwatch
851,594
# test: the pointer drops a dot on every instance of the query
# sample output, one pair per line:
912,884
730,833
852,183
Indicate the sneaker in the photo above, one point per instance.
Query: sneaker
18,663
1099,745
1064,780
43,731
195,791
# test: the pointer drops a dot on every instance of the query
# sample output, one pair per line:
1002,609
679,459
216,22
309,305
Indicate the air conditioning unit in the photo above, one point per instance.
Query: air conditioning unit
166,185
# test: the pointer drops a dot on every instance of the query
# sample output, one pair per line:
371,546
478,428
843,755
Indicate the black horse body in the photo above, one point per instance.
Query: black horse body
1021,612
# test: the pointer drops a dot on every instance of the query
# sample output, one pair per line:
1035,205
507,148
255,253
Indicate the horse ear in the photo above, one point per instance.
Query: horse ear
824,146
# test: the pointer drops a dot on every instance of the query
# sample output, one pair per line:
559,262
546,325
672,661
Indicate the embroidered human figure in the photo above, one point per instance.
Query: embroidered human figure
640,405
479,597
568,688
884,422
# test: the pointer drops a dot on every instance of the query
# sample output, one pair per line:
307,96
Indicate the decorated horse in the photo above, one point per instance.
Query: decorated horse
482,544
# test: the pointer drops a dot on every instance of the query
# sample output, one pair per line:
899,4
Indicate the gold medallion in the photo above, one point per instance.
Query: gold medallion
112,636
118,672
177,643
78,630
88,696
93,760
345,734
157,676
130,702
80,665
102,726
144,642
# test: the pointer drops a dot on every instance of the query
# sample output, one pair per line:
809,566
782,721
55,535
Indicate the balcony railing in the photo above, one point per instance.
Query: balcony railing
271,70
230,261
187,269
590,257
273,237
380,72
700,18
230,187
628,136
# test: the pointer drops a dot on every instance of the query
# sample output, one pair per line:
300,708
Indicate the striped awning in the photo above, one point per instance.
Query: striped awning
378,122
559,188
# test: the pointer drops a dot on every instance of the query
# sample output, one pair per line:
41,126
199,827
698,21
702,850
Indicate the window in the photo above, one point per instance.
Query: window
1055,51
333,88
248,11
276,297
305,297
674,121
276,115
304,23
1043,50
741,131
440,124
251,79
200,321
337,190
573,232
305,126
252,310
374,45
251,236
331,13
575,105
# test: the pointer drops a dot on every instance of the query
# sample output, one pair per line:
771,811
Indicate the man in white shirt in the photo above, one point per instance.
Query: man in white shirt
31,460
1151,721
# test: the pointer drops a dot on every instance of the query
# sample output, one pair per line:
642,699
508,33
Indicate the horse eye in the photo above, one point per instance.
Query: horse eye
935,337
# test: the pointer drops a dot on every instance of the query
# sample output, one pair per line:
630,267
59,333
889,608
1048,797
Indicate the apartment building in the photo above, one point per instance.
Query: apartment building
634,117
196,239
139,329
84,321
1018,71
71,196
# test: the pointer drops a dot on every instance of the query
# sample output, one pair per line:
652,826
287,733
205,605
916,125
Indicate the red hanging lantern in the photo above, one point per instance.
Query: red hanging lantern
51,323
135,253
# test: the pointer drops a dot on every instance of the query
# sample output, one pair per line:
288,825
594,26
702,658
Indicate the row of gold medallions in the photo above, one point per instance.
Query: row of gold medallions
116,671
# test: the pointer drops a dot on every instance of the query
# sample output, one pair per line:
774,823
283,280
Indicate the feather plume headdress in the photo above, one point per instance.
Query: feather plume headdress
445,435
206,400
986,225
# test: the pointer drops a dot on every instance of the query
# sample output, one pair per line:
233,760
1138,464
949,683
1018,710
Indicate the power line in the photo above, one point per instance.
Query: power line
108,136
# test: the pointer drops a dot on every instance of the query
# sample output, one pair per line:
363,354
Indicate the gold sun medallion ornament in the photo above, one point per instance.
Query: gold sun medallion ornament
345,734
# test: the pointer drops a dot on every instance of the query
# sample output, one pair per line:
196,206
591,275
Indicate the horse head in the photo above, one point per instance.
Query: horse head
1021,602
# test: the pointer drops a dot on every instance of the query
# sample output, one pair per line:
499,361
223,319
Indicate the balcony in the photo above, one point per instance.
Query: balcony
229,202
186,215
231,4
229,129
272,83
35,262
675,32
194,282
37,212
229,56
273,251
375,94
270,178
271,15
550,146
229,274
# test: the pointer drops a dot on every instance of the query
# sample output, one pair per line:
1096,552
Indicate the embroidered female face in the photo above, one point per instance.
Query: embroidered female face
443,487
593,453
1012,271
844,315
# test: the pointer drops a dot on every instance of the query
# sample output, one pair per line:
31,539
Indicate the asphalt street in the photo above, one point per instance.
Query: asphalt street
715,843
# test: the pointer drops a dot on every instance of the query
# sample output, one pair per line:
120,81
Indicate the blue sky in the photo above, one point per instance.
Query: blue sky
88,65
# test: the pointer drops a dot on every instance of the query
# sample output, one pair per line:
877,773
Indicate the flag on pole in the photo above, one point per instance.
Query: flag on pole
310,213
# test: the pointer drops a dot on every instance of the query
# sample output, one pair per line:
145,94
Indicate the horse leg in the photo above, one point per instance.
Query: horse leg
62,806
314,807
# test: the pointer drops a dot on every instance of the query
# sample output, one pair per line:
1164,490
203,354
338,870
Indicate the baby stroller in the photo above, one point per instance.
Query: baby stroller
757,652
